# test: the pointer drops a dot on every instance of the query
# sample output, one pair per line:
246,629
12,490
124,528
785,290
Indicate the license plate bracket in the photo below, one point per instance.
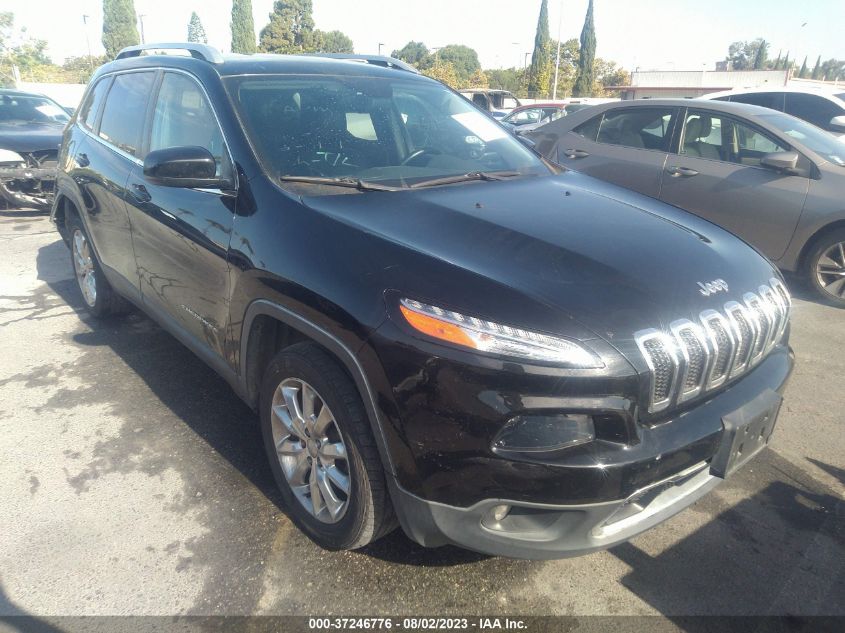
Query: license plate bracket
745,432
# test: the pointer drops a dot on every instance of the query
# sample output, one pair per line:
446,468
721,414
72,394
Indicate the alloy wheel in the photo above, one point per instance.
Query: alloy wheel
310,450
83,265
830,270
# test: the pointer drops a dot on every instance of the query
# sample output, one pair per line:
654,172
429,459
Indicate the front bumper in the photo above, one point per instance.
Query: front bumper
538,529
27,186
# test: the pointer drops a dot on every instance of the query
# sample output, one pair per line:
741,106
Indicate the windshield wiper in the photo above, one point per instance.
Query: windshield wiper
473,175
354,183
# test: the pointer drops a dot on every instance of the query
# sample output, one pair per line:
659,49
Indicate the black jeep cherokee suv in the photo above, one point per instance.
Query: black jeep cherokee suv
437,327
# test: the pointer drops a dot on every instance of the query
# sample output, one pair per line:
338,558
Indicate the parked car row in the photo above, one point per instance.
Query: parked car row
772,179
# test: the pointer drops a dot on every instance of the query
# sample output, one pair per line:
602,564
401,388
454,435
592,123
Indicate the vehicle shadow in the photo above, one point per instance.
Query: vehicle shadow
204,402
778,551
23,213
799,288
18,620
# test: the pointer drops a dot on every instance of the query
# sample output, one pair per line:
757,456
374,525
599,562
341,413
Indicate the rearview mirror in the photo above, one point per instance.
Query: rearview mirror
781,161
189,166
837,123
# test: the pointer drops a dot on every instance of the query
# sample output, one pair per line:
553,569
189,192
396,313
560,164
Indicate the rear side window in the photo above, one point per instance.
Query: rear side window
817,110
644,128
123,114
772,100
590,129
88,114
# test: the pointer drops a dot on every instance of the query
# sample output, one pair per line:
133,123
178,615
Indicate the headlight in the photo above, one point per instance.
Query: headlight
8,156
493,338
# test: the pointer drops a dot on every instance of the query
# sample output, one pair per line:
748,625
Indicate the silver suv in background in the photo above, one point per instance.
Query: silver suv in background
823,106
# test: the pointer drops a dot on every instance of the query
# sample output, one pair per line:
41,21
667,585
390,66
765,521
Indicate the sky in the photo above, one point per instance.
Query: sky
645,34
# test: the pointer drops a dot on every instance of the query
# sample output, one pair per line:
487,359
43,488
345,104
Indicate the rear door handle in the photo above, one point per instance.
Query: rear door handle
575,153
681,172
139,192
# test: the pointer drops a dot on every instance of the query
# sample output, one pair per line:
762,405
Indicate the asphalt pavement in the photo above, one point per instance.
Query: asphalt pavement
132,481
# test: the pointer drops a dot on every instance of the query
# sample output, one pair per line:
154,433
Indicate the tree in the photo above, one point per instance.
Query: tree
290,29
584,81
786,63
243,27
569,56
196,33
817,69
478,79
504,79
833,70
776,65
19,50
332,42
761,57
119,26
539,77
608,74
444,72
803,72
463,59
414,53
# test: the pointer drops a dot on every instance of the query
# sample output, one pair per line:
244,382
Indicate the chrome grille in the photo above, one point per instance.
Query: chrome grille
693,358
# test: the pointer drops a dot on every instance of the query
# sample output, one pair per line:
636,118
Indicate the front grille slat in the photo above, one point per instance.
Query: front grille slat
694,358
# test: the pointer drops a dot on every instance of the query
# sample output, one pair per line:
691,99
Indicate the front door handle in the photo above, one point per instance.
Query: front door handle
575,153
82,160
681,172
140,193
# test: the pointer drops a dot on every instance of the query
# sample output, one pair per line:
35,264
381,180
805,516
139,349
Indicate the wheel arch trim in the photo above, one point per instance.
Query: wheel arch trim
341,351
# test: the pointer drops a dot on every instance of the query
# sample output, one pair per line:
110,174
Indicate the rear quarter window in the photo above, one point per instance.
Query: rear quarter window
590,129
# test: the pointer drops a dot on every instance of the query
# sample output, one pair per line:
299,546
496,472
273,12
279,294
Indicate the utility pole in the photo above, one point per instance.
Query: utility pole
380,44
141,20
88,42
557,61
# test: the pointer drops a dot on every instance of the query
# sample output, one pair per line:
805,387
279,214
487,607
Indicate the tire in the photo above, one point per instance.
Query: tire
365,513
96,292
824,268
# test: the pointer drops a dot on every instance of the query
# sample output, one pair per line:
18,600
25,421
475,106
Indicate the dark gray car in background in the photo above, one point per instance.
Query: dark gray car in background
772,179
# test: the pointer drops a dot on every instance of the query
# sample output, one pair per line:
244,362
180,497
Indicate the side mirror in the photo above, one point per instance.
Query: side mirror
189,167
781,161
837,123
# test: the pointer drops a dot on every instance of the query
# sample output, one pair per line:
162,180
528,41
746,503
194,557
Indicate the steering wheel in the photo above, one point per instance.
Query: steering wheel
420,152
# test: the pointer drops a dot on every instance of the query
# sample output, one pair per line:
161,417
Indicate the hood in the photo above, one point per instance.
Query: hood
613,260
31,137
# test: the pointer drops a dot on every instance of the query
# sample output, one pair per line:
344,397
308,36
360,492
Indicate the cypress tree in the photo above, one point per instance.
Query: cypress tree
803,72
196,33
243,27
119,26
762,56
584,81
817,69
538,81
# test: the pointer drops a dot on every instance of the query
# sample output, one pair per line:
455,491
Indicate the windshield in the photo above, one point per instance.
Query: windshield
391,131
30,110
812,137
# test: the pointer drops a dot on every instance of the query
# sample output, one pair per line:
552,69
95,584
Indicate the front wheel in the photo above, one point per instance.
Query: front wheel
321,450
825,268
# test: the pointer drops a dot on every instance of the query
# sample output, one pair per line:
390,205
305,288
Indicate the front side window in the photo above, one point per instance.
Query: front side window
813,108
825,145
524,117
712,136
396,132
645,128
30,109
123,114
183,117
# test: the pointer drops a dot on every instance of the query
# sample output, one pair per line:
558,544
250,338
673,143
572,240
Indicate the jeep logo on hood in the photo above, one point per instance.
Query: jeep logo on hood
712,287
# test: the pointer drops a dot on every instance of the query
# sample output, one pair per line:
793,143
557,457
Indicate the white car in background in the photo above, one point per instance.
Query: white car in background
823,106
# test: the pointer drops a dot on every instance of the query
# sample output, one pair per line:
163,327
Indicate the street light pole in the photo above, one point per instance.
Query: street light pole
88,42
380,44
141,20
557,61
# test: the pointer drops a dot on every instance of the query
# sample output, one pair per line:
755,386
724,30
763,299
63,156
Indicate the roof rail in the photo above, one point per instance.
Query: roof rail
376,60
198,51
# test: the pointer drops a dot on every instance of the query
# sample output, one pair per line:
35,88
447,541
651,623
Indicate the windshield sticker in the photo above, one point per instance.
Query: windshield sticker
480,126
